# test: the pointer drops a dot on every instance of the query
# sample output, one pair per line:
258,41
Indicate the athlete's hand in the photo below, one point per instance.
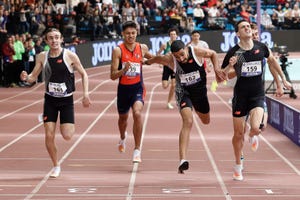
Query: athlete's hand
23,76
220,75
86,102
279,91
287,84
126,67
233,60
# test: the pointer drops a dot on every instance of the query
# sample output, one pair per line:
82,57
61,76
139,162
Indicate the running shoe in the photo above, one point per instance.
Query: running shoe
170,106
184,165
136,156
237,173
254,143
122,144
55,172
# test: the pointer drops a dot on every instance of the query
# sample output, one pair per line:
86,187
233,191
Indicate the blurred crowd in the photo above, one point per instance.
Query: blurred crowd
22,22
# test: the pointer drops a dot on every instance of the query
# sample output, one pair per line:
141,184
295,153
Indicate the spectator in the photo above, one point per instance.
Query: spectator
266,21
151,8
8,67
198,14
280,13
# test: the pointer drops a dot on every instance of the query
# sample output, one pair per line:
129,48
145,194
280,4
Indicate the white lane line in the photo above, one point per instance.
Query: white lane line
135,165
212,161
22,93
293,167
40,124
38,101
42,182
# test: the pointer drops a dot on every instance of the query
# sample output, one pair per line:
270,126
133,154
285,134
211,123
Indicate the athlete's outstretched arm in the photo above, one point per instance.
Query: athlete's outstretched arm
166,60
209,53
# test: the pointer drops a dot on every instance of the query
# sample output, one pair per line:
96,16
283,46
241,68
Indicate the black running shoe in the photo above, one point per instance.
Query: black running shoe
183,166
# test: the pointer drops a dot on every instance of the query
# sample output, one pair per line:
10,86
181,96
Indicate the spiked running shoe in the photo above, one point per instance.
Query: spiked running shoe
184,165
55,172
122,144
254,142
136,156
170,106
237,173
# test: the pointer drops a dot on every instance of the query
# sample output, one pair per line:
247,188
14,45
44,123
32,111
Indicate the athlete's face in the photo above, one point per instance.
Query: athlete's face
244,30
129,35
173,35
180,56
195,37
54,39
255,34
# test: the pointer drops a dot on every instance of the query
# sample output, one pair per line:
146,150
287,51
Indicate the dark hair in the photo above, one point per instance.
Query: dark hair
236,28
177,45
173,29
129,24
195,31
51,30
254,26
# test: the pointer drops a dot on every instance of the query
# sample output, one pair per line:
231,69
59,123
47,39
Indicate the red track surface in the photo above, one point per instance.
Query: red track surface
92,168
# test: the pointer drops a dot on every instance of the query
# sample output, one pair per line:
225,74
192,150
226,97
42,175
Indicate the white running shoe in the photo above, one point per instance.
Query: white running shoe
237,173
55,172
170,106
136,156
122,144
254,142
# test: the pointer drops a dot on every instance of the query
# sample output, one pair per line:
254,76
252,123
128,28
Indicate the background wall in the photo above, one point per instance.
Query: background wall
98,53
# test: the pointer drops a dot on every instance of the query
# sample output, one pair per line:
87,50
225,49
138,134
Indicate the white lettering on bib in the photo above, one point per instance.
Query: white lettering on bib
57,89
253,68
134,70
190,78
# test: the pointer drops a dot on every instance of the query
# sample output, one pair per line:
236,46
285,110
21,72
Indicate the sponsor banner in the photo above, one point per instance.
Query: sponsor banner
284,118
99,53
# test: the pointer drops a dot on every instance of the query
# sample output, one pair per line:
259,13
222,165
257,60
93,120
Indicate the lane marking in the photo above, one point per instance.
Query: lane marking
135,165
38,101
269,191
40,124
212,161
293,167
44,180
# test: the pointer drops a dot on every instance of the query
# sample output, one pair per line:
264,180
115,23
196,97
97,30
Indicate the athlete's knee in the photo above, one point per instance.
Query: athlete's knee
188,122
137,115
238,135
67,131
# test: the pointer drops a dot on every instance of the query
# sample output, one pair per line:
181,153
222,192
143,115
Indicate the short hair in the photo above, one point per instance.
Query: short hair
173,29
129,24
51,30
195,31
254,26
177,45
236,28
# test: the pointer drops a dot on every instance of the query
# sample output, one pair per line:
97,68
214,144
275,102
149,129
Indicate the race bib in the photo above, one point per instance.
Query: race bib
134,70
57,89
190,78
253,68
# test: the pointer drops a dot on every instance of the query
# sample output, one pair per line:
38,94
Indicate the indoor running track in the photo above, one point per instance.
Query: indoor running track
92,167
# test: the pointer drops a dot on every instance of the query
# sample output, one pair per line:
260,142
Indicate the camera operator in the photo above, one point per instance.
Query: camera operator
284,63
